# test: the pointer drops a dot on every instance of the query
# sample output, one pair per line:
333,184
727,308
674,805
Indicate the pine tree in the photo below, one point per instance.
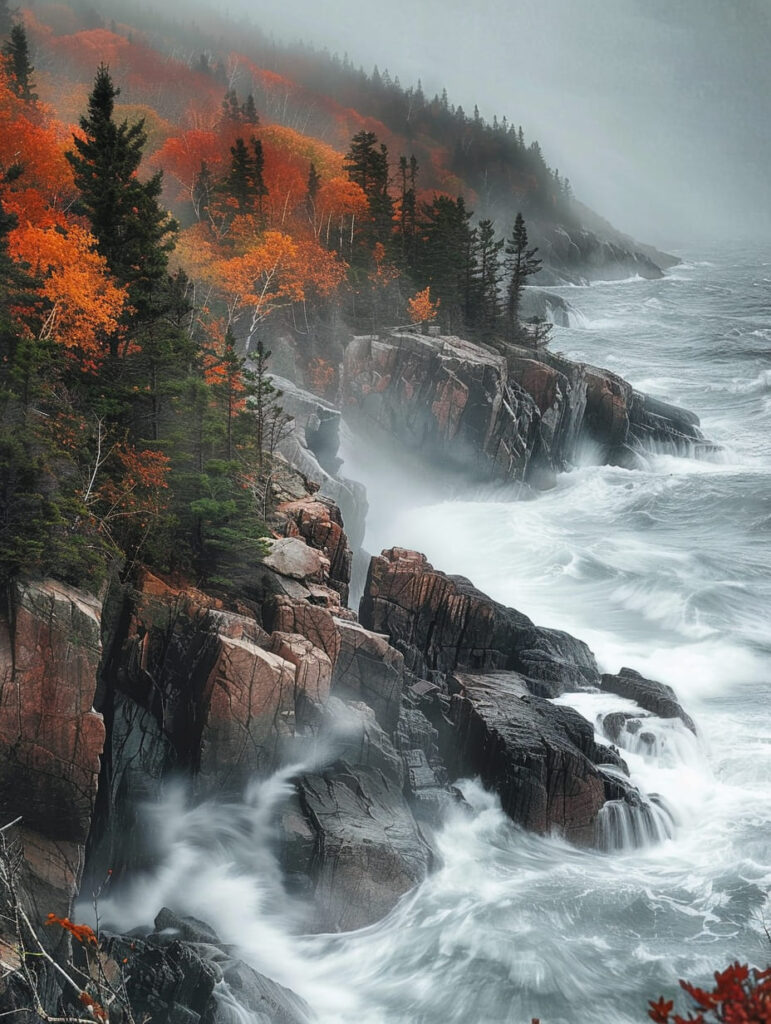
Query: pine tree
521,263
444,256
231,109
489,256
16,53
134,233
239,184
408,209
258,172
367,165
249,111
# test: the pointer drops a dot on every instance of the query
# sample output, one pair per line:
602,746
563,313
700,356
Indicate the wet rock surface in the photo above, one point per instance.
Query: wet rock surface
51,739
180,973
447,623
541,759
360,842
522,415
657,698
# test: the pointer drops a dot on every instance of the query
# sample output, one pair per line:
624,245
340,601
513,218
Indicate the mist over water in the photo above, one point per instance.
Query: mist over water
665,569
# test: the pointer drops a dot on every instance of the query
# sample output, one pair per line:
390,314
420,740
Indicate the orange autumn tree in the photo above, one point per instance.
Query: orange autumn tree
275,273
421,308
82,301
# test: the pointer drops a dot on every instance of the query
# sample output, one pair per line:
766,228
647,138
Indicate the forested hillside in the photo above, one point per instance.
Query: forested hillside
174,198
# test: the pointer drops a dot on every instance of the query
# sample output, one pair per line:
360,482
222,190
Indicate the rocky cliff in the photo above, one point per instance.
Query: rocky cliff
524,415
104,703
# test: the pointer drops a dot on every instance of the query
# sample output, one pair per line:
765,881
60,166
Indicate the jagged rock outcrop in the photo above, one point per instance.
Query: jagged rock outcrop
181,973
356,841
189,687
446,623
525,416
541,759
658,698
51,738
535,303
444,396
483,710
370,670
318,522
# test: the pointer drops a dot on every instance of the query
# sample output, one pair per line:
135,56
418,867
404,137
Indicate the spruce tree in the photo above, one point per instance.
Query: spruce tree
367,166
444,256
16,53
488,308
258,179
231,109
521,263
249,111
239,184
134,233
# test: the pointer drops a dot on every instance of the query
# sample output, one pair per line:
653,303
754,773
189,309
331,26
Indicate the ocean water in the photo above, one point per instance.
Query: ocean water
665,569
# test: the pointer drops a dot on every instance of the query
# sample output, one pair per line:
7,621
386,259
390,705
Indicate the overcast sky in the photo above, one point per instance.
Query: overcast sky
657,110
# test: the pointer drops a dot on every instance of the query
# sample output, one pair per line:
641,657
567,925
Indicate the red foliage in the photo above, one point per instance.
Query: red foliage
96,1010
741,995
81,932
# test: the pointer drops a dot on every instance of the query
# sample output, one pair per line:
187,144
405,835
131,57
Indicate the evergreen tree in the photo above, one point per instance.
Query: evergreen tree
6,20
239,184
231,109
444,256
258,172
249,111
521,263
16,54
408,211
134,233
367,165
487,308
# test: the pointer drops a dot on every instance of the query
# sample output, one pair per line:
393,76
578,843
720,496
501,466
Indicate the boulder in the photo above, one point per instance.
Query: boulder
658,698
370,670
317,521
450,624
540,758
181,974
290,556
51,738
367,849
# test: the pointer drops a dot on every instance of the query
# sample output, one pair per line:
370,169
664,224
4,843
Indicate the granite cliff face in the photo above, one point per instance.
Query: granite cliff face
523,416
51,738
